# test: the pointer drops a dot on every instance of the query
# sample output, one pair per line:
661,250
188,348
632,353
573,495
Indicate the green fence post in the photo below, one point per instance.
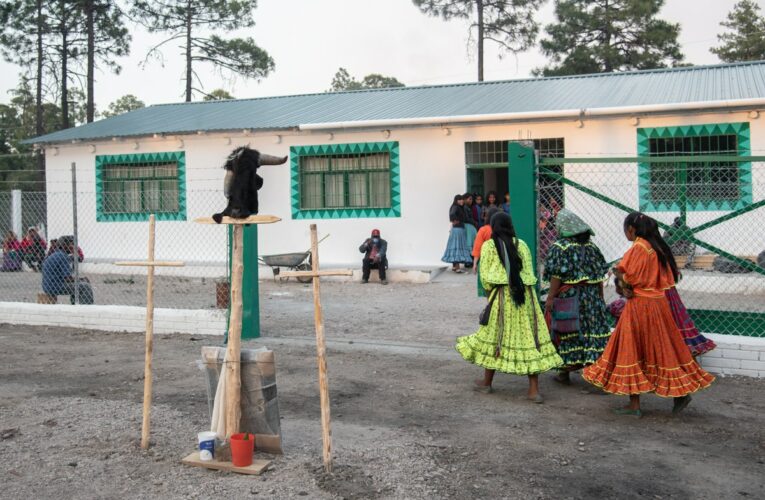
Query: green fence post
522,180
250,289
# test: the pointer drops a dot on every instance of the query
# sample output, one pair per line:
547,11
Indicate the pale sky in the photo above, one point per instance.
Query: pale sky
310,39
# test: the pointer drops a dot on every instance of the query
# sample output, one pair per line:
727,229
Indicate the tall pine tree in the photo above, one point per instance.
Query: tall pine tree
107,37
509,23
191,22
601,36
746,40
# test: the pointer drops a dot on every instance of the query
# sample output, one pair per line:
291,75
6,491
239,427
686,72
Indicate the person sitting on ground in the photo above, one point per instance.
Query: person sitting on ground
375,256
11,253
33,249
57,276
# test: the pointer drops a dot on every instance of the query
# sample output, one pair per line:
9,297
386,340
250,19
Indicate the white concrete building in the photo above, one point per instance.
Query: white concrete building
392,159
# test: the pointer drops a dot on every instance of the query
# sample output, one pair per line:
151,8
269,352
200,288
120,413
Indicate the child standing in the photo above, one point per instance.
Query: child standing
646,352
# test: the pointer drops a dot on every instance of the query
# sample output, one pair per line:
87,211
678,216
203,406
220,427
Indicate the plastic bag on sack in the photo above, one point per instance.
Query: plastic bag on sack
258,396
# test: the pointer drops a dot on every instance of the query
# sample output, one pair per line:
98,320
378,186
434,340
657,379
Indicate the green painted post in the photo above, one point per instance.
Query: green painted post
250,290
522,180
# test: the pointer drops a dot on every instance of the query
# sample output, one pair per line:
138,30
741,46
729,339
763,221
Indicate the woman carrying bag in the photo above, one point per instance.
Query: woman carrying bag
513,336
576,270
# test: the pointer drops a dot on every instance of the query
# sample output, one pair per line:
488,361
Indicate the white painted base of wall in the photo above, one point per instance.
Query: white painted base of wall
735,355
115,318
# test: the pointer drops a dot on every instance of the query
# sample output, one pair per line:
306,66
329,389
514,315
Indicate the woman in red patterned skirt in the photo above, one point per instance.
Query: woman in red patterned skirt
646,352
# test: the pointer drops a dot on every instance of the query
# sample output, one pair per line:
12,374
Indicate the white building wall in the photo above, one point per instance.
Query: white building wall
432,171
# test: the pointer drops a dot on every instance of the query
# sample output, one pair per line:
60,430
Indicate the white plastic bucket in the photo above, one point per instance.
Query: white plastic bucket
206,445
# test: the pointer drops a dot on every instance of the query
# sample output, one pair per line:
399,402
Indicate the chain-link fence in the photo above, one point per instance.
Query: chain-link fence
111,226
710,208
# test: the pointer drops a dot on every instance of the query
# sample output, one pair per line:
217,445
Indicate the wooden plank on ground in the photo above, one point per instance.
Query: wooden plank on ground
257,466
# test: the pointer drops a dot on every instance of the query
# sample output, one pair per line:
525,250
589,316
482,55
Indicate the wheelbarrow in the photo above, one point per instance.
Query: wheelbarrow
300,261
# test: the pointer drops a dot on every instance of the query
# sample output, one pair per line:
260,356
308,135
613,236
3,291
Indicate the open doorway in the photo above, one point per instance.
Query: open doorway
486,164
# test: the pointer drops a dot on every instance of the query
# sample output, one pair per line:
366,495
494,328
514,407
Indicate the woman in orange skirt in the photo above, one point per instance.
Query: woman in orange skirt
646,352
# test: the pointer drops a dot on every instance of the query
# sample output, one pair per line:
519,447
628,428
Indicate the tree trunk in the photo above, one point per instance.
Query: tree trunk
39,129
608,65
188,51
479,8
90,107
64,69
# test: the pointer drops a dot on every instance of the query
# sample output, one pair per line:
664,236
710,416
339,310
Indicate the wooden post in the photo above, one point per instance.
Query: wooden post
233,350
318,317
149,340
232,367
150,264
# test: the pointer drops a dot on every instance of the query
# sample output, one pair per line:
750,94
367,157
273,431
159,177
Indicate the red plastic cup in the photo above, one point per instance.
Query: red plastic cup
241,449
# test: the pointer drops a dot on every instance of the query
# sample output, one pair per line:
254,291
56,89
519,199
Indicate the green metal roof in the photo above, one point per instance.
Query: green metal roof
596,91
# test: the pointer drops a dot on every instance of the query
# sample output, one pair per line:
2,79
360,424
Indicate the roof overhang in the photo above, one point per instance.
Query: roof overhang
535,116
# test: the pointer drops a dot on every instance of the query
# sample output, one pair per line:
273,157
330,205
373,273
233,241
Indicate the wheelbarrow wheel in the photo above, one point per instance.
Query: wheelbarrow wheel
304,267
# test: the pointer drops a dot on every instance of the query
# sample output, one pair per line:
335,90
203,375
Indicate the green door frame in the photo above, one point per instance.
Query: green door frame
250,287
522,186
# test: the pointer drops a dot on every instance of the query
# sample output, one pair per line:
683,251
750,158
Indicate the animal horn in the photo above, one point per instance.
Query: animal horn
271,160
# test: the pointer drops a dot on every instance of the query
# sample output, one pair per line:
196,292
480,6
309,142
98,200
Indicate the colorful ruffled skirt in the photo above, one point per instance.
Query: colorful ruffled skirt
457,250
585,346
696,342
646,353
514,350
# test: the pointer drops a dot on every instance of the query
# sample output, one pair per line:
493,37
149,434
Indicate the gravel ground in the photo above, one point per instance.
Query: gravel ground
405,422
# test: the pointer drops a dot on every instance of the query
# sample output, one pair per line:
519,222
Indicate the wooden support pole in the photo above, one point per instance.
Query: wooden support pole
233,351
150,264
149,340
318,316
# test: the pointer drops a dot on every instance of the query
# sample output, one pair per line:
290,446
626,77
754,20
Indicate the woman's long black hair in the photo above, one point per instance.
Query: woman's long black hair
648,229
503,232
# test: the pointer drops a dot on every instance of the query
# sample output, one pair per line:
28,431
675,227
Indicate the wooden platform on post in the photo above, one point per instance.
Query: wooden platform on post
231,367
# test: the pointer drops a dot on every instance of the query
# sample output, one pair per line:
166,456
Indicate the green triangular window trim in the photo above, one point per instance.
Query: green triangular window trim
390,147
742,131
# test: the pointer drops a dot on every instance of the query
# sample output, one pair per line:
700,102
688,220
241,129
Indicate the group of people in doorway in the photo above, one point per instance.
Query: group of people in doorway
468,213
652,347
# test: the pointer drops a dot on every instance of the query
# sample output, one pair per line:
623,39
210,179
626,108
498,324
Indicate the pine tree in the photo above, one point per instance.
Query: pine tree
184,20
602,36
107,38
124,104
344,81
746,42
218,95
509,23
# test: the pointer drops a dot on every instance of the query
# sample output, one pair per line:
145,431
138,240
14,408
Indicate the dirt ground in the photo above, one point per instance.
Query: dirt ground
405,422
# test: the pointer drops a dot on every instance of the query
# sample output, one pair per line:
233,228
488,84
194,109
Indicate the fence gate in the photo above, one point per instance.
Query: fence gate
711,209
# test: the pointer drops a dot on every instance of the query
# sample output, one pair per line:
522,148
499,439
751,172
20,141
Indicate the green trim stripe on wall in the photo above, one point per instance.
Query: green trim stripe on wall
740,129
178,157
391,147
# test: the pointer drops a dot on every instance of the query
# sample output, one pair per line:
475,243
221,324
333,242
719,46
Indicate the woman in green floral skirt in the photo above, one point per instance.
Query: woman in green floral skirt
575,267
516,339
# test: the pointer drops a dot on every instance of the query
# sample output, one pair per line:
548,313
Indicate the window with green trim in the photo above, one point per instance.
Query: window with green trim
131,187
704,185
345,180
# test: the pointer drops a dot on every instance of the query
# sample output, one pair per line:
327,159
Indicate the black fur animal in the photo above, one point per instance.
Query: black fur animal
242,182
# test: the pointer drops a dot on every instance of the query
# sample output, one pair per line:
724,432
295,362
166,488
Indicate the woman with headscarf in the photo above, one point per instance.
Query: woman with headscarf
576,270
515,338
457,251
